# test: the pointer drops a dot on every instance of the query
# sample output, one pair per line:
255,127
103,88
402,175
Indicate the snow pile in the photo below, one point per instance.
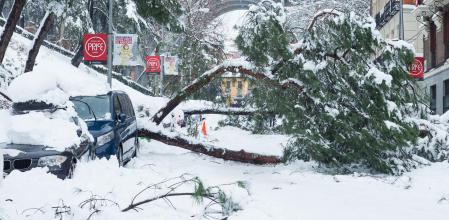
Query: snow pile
36,128
273,190
52,129
52,85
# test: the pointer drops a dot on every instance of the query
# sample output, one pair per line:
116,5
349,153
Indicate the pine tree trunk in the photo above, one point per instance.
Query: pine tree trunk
10,26
225,154
39,39
78,58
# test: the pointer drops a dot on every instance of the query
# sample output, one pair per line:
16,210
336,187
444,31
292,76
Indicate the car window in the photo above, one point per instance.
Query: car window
127,107
91,107
124,104
130,106
117,106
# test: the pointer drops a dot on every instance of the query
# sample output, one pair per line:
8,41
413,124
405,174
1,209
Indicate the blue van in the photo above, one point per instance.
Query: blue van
112,122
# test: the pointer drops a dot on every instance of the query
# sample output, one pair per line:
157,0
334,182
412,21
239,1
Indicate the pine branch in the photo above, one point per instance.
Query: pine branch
135,205
214,73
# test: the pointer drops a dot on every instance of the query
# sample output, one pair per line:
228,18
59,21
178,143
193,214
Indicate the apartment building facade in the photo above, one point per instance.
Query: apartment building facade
426,26
386,14
434,18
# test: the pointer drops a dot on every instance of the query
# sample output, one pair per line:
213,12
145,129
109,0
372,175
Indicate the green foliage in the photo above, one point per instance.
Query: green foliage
199,191
217,195
163,11
263,38
355,108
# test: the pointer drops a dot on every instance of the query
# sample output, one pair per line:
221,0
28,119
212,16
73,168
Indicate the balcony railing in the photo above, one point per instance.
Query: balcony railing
390,10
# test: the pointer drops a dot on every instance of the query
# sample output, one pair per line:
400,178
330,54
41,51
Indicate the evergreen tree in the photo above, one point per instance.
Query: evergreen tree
355,105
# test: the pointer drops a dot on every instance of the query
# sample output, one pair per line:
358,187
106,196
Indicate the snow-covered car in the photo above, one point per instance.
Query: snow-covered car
45,135
112,122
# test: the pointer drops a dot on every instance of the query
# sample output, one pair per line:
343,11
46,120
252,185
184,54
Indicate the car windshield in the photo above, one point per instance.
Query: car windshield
99,105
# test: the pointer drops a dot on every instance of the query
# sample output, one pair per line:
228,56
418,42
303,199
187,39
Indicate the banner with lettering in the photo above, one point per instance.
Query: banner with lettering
126,50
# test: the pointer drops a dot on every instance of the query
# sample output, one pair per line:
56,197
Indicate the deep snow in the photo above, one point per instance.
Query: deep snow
295,191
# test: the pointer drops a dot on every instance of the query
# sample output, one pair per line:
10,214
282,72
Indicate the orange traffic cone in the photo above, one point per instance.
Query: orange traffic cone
203,128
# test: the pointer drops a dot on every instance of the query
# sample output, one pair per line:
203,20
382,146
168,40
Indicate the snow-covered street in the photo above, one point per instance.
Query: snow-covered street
227,110
295,191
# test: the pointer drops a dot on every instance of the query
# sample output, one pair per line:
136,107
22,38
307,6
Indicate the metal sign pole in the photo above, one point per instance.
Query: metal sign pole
401,20
161,89
110,41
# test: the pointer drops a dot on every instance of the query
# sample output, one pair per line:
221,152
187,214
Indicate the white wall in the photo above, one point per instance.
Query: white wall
411,29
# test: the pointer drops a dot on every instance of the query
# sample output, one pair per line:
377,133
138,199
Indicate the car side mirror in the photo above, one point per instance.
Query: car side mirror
79,132
122,117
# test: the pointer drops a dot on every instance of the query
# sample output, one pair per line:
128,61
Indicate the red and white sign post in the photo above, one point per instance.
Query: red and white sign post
153,64
418,68
95,48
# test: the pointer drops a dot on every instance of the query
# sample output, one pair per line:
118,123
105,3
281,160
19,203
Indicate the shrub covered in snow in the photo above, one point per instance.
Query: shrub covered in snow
357,107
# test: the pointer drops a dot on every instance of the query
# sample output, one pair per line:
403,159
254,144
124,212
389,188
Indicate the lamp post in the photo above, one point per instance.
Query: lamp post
110,41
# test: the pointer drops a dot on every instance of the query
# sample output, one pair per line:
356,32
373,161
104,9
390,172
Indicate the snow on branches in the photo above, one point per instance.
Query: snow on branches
349,78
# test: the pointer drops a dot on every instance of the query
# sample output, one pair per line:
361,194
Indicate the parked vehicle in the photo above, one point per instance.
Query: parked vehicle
24,156
112,122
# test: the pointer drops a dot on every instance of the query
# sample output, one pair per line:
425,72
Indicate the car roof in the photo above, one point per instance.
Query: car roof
109,93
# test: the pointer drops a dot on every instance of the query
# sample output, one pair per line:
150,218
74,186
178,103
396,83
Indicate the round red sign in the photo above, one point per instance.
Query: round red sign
153,63
417,69
95,47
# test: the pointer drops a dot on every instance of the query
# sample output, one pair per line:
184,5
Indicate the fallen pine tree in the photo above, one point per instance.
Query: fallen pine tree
204,148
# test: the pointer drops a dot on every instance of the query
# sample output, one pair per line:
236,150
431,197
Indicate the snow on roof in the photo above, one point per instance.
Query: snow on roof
54,84
56,130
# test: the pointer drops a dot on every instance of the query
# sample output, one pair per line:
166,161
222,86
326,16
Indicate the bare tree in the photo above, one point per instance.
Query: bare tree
10,26
48,21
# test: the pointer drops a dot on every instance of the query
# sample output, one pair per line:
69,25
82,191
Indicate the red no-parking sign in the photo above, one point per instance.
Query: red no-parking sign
418,68
95,47
153,64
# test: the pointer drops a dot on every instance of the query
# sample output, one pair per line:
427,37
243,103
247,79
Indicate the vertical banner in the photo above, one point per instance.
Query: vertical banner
418,68
95,47
153,64
126,50
171,66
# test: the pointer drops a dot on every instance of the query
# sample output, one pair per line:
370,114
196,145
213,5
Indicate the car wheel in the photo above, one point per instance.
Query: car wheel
136,148
71,170
120,156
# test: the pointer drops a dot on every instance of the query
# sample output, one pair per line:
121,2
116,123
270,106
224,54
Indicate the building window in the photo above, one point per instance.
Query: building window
433,98
446,34
446,96
228,87
239,88
433,41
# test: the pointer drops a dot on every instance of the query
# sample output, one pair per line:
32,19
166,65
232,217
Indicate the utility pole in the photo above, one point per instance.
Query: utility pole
161,85
401,20
161,89
110,42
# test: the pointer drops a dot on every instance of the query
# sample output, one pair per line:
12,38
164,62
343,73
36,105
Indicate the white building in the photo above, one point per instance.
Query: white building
386,13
